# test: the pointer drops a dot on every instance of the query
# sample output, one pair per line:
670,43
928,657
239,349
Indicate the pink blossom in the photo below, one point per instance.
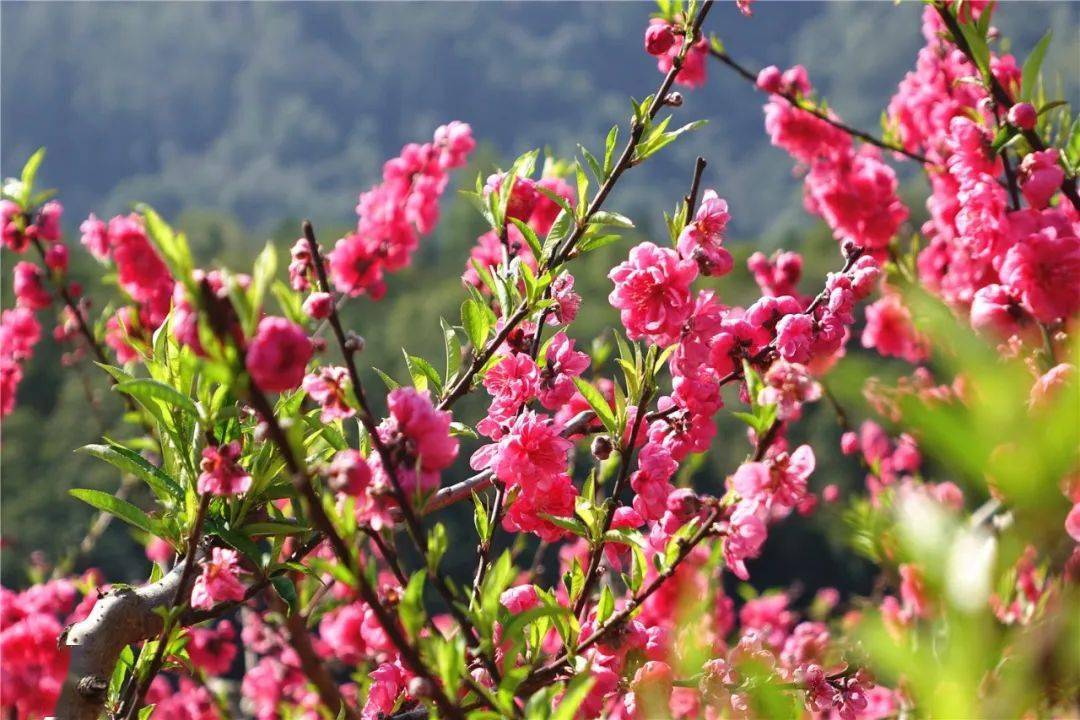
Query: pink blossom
221,472
546,210
778,275
550,496
856,194
212,650
737,340
562,364
19,333
10,377
454,142
523,195
695,65
159,551
1040,176
140,270
388,680
278,354
779,484
48,221
328,386
319,305
562,290
419,438
219,580
349,472
28,284
531,451
805,136
702,238
14,237
34,665
1072,523
1043,269
658,37
995,308
189,701
356,266
512,382
95,236
746,535
1023,116
651,481
794,337
340,628
890,331
519,598
789,386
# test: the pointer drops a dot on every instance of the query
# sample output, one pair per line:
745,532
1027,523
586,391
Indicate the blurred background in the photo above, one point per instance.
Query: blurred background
236,120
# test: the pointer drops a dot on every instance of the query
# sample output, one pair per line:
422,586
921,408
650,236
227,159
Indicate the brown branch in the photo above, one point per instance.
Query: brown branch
136,692
312,665
121,617
794,101
367,419
550,672
597,555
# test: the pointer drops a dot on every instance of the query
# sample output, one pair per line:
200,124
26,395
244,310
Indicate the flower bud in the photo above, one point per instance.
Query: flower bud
770,79
601,447
421,688
319,305
1023,116
674,99
658,38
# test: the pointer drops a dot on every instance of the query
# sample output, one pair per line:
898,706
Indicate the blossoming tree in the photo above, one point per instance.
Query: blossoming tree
292,522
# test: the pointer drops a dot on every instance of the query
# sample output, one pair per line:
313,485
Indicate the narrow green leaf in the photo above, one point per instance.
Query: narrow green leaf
144,390
119,508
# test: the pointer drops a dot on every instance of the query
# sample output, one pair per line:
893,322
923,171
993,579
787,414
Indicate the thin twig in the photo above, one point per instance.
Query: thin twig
792,99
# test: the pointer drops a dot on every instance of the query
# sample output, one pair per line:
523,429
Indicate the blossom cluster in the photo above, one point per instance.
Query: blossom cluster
393,214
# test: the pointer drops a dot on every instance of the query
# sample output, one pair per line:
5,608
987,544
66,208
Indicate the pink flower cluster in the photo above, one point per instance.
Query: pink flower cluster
1008,266
141,273
221,472
32,663
530,202
395,213
418,438
851,189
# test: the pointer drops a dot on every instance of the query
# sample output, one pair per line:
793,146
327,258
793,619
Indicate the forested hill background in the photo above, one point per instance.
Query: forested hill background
237,119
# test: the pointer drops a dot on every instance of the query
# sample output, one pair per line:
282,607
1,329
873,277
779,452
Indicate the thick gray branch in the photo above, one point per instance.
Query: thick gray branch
120,618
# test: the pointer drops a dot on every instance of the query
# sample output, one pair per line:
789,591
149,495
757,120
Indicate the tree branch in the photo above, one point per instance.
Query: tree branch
793,100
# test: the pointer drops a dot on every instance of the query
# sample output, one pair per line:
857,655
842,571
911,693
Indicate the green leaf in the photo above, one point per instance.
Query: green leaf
129,461
1029,76
390,382
576,692
530,237
604,217
285,588
480,518
560,230
29,174
609,149
144,390
599,405
422,372
261,278
606,606
119,508
452,348
475,321
411,607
